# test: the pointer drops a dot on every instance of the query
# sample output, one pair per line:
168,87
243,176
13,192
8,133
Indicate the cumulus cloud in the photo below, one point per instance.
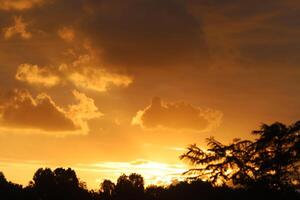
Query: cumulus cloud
179,115
20,110
97,79
19,4
83,111
36,75
18,28
83,73
24,111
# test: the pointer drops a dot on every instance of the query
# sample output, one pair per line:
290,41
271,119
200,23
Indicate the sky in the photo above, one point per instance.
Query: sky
110,87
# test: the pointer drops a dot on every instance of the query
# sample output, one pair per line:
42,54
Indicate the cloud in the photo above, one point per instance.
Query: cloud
24,111
97,79
83,73
19,4
178,116
18,28
67,34
144,33
249,34
130,34
20,110
83,111
36,75
139,162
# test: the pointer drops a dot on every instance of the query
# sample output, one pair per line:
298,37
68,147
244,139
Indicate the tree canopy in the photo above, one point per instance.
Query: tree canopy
271,161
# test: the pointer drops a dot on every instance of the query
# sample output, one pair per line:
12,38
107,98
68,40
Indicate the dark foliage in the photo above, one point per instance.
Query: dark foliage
272,161
64,185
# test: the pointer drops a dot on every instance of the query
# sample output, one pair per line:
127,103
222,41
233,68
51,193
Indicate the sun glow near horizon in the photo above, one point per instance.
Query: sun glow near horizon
154,173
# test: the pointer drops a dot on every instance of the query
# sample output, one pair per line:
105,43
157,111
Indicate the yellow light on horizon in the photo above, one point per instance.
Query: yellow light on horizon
94,173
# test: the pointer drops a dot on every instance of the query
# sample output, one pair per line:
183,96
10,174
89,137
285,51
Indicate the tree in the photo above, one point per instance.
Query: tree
272,160
66,178
278,155
9,190
137,181
221,163
58,184
44,182
107,188
131,187
3,180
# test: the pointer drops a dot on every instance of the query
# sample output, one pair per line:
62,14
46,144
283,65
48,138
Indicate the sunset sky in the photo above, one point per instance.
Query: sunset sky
118,86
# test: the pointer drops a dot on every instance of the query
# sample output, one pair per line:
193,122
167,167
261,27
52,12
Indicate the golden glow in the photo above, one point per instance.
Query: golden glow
94,174
18,4
98,80
36,75
18,28
102,83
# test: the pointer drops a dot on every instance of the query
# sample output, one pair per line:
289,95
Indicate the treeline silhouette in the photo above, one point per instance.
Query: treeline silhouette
267,168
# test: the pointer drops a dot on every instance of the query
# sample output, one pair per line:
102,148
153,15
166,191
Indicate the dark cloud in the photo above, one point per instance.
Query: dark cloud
145,33
271,55
252,33
177,116
133,33
20,110
153,33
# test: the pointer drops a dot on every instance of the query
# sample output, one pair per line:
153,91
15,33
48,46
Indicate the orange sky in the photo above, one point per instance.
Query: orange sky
112,87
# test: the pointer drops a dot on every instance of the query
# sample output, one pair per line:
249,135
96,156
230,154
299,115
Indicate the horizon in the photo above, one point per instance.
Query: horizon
154,173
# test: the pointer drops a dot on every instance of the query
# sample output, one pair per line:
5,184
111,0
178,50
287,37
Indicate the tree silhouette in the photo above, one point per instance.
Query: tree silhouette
44,183
278,155
107,189
3,180
272,160
137,181
9,190
131,186
129,189
221,163
58,184
66,178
